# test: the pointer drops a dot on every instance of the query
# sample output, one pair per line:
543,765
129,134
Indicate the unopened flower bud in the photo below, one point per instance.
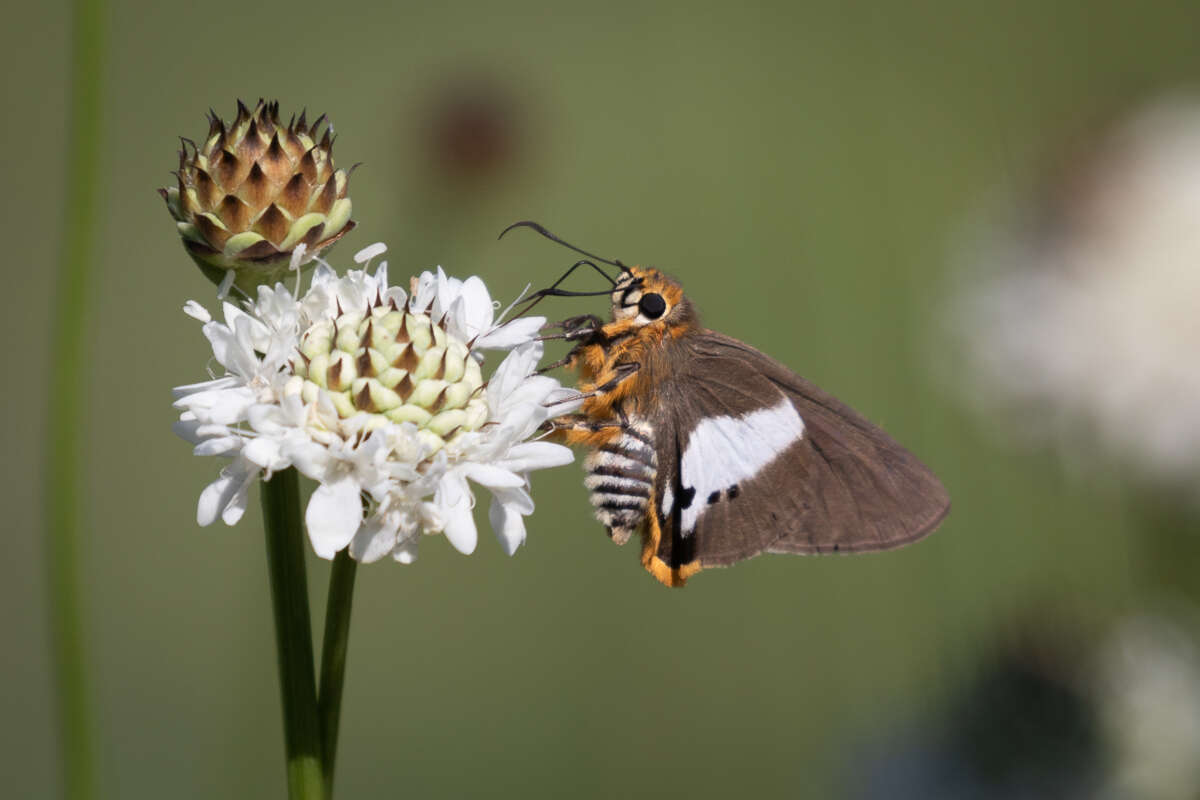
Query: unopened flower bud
256,190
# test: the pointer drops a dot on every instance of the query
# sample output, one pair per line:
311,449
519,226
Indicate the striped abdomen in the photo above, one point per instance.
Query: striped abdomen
620,478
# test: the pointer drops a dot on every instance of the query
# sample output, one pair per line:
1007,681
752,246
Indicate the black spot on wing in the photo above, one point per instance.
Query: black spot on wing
686,496
732,491
714,497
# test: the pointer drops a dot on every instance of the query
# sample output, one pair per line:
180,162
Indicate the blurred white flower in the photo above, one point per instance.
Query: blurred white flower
379,397
1084,321
1150,703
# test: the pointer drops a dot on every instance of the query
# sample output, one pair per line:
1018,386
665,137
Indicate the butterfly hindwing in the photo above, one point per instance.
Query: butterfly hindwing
753,458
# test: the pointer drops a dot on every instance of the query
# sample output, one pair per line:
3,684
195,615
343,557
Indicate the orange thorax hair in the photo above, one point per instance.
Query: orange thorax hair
632,340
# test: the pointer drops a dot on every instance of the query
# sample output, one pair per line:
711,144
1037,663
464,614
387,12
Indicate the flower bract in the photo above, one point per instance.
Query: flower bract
254,191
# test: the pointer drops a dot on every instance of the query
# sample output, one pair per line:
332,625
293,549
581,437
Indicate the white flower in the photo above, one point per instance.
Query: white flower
1150,704
379,397
1084,321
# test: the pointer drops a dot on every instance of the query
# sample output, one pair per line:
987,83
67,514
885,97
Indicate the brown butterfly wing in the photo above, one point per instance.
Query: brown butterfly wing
843,486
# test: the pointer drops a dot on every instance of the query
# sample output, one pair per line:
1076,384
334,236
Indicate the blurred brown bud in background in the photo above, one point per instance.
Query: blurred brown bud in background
472,128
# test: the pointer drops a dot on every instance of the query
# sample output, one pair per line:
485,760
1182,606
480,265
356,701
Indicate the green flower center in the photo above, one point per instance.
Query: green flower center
390,365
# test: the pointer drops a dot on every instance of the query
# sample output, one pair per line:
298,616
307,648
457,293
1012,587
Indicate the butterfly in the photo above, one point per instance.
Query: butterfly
712,451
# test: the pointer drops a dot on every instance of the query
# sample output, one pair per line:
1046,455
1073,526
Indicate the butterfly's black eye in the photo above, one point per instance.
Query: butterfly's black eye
652,305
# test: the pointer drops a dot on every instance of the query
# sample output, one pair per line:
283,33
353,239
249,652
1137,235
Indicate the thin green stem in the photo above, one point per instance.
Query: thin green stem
62,492
293,635
333,658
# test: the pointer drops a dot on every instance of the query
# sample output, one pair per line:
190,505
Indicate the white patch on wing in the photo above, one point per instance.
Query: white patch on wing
723,451
668,501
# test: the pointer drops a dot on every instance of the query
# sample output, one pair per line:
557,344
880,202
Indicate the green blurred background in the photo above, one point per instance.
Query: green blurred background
802,168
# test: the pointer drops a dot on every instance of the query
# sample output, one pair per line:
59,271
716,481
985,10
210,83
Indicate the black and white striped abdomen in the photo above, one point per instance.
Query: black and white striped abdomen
620,476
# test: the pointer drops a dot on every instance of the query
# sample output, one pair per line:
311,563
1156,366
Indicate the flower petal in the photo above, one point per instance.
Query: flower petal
406,551
375,538
225,493
513,370
213,500
265,451
236,506
508,525
477,307
197,311
493,476
333,516
529,456
453,498
510,334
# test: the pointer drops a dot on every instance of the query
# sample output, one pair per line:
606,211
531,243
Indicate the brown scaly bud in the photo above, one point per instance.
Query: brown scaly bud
254,191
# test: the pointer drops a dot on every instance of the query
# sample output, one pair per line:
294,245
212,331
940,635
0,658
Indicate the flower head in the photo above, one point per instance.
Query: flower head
1149,688
378,395
256,190
1083,320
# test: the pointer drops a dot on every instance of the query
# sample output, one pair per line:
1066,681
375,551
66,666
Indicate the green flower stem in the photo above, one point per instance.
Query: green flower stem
333,658
293,635
62,493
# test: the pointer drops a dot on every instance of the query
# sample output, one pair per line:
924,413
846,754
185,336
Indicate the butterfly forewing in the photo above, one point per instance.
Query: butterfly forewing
753,458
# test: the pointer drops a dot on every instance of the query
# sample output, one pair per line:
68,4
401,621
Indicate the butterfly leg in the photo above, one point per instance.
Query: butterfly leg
574,328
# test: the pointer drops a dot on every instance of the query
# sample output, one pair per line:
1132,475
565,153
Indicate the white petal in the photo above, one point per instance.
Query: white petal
510,334
310,458
562,401
517,500
225,493
513,370
529,456
397,295
381,278
455,320
237,504
426,290
494,476
196,311
227,382
508,525
406,551
322,275
453,499
234,352
219,446
534,389
374,539
188,429
265,451
477,307
220,407
333,516
213,500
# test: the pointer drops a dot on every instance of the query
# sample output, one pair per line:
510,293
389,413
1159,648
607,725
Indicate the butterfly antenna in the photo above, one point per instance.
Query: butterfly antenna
553,291
540,229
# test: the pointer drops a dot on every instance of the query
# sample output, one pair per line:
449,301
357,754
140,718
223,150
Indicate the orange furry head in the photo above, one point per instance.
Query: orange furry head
643,297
